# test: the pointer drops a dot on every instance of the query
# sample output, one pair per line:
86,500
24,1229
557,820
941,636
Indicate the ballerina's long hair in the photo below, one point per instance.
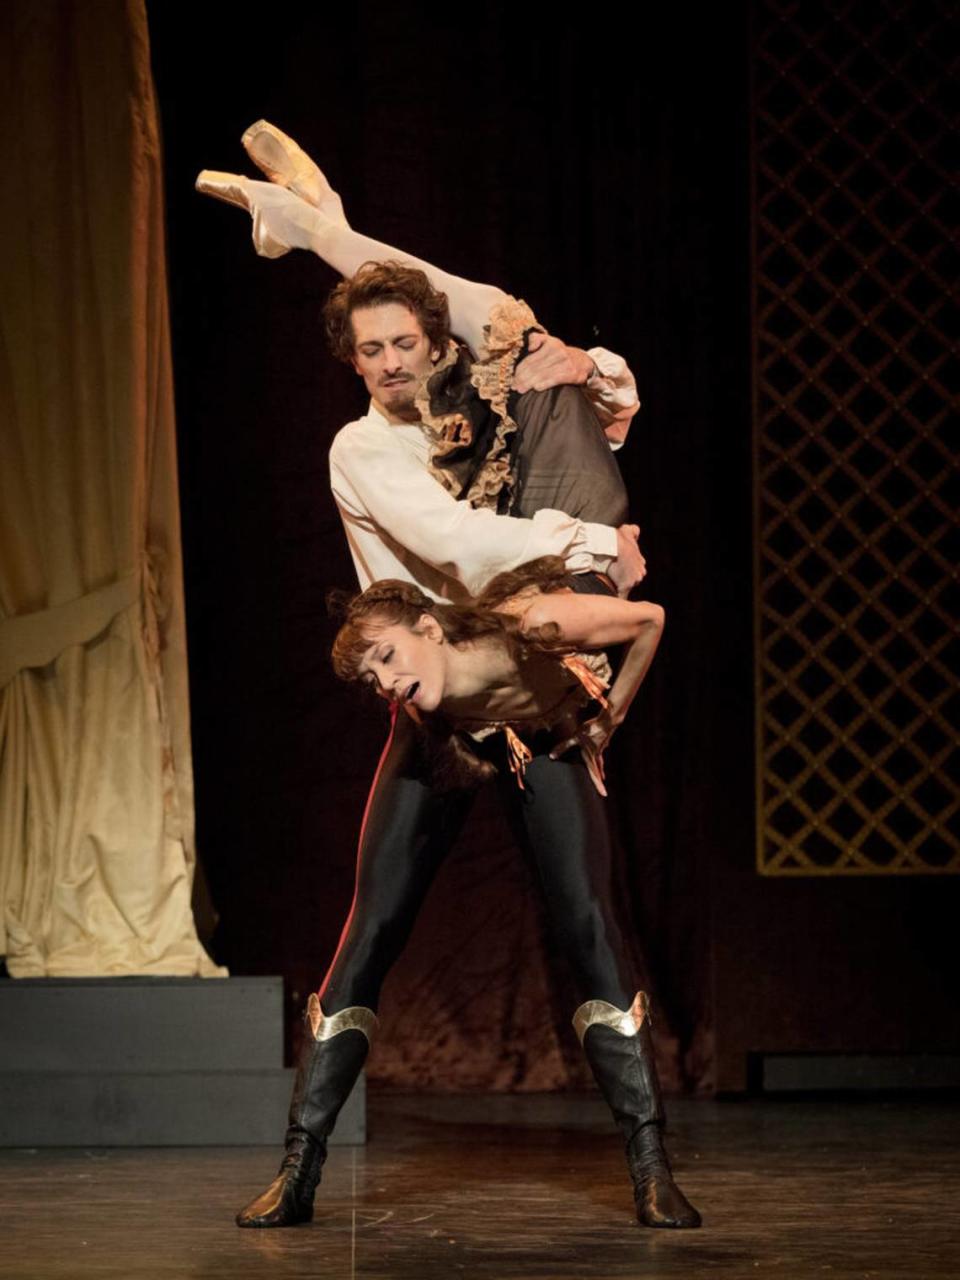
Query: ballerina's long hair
391,602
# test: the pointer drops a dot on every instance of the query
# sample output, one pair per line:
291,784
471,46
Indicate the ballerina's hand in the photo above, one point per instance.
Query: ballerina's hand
592,738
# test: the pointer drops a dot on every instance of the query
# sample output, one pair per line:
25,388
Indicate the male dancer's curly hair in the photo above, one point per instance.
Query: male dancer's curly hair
391,602
377,283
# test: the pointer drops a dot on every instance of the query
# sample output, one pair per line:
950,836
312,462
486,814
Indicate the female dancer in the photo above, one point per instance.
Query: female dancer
524,659
507,660
407,829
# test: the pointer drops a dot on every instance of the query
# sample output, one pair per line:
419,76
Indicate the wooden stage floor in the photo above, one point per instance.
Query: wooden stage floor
504,1188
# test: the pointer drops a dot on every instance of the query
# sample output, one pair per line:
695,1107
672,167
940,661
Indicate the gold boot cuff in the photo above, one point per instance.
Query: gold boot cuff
356,1018
598,1012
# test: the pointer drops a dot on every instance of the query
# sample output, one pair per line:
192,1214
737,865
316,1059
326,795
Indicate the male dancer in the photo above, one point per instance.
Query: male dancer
401,521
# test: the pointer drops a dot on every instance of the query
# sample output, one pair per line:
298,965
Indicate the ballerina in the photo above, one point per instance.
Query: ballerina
522,657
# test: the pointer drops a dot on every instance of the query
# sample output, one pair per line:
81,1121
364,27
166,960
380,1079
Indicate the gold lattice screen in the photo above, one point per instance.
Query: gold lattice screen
856,324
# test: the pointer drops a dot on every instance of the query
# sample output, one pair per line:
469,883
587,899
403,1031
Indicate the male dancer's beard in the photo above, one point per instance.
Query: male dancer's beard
402,402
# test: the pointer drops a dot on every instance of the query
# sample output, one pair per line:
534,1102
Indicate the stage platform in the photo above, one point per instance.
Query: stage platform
143,1062
504,1188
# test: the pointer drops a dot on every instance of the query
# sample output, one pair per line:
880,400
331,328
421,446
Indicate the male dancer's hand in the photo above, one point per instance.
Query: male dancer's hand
629,567
551,363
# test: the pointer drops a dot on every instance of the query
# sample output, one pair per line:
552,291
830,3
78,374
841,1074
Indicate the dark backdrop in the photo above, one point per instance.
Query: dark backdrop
600,174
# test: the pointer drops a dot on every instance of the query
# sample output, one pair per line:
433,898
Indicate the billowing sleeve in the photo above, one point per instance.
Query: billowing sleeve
383,486
612,392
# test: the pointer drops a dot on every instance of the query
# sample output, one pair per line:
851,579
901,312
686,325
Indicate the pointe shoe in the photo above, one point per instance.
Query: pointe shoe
235,189
288,165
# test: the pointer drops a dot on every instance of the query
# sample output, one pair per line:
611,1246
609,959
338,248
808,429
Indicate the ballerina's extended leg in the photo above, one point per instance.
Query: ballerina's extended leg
298,209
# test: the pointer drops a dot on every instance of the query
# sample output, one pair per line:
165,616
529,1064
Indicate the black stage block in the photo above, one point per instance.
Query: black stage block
161,1109
141,1024
803,1073
147,1062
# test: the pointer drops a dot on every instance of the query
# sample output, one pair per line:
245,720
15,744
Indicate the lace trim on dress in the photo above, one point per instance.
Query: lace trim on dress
449,431
491,375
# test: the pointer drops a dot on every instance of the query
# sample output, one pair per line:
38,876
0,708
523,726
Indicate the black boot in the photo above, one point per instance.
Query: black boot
333,1053
620,1051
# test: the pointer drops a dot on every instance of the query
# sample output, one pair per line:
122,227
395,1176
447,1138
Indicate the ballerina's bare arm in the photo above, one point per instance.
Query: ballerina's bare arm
595,622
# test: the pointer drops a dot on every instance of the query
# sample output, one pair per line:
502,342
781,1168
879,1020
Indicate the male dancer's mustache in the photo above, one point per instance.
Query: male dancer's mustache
397,377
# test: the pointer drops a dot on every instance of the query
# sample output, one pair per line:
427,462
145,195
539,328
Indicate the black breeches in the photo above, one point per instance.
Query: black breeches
408,829
561,822
562,460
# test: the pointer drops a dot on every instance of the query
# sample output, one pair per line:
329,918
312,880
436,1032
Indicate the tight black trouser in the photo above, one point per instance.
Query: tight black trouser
409,828
562,462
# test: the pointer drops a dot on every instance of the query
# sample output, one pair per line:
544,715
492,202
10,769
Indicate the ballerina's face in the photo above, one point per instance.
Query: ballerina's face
391,353
407,664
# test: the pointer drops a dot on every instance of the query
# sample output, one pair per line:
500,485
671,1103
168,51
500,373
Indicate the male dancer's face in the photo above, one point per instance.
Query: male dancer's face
391,353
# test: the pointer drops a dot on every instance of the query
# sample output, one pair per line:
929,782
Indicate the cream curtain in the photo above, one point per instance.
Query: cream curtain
96,791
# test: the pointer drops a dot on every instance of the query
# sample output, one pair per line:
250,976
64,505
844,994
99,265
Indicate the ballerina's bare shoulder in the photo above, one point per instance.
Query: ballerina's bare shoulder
542,692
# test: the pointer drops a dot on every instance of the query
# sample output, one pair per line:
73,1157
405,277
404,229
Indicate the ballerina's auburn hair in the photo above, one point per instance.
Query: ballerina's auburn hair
391,602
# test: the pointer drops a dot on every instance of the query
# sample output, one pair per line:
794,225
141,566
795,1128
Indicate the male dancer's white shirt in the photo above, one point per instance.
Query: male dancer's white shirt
401,523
